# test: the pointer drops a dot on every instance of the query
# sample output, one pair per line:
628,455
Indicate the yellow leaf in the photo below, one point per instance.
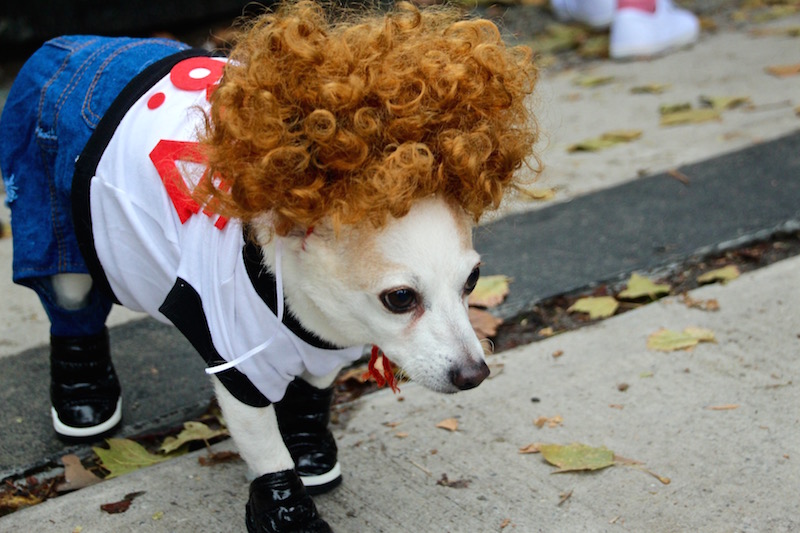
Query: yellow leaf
701,334
641,287
593,81
124,456
667,109
596,306
450,424
666,340
725,102
490,291
539,195
723,274
692,116
650,88
576,456
606,140
623,135
191,431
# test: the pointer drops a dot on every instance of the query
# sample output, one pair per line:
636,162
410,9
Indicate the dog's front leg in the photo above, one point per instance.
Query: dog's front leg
278,500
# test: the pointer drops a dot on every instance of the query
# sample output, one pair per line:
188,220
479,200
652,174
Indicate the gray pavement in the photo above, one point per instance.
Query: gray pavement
730,470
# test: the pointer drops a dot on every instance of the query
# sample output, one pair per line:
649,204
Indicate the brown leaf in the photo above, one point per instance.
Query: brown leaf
784,71
704,305
75,475
531,448
723,407
216,458
551,422
450,424
122,505
454,484
484,323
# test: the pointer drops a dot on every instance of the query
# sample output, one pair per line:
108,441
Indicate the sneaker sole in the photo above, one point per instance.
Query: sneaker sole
321,483
86,432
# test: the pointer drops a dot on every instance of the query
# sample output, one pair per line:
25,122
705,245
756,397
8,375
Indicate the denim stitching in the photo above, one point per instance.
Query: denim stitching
61,246
50,82
86,108
76,78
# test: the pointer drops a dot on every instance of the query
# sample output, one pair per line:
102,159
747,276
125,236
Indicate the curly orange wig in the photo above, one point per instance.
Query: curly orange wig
356,119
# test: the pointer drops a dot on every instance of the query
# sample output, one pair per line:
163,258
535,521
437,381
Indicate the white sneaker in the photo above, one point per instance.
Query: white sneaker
637,33
595,13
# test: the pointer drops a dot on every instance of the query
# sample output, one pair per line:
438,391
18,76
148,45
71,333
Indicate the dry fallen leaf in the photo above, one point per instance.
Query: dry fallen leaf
593,81
705,305
691,116
666,340
784,71
75,475
538,195
650,88
450,424
724,274
483,322
725,102
122,505
723,407
606,140
641,287
124,455
192,431
530,448
453,484
216,458
551,422
596,306
490,291
575,457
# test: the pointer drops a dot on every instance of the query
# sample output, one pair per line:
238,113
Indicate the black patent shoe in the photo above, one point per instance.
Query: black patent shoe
303,417
84,389
279,503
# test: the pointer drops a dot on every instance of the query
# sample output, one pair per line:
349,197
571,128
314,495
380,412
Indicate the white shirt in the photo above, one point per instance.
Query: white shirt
146,238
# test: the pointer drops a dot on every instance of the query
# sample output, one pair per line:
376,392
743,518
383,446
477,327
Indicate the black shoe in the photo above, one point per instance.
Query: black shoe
279,503
303,417
84,389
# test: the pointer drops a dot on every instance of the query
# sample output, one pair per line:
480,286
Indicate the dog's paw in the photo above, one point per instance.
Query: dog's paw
279,503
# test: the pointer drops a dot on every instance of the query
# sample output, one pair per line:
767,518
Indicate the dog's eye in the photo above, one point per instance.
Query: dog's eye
399,300
472,280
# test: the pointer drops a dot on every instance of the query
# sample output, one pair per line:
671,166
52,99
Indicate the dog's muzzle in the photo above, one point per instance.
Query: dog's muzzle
469,376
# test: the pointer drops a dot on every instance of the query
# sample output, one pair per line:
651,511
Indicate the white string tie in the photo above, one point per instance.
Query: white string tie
279,297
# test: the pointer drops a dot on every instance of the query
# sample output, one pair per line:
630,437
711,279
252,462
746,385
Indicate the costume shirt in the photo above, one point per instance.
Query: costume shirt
156,246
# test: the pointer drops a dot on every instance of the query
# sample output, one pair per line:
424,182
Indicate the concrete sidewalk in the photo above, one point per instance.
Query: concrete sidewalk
731,470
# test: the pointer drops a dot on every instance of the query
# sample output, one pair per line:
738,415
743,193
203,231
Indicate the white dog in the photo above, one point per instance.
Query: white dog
288,209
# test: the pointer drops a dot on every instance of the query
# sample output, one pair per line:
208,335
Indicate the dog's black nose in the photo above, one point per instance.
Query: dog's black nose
469,377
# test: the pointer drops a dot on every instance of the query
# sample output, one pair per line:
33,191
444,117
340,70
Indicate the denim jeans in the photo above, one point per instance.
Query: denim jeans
54,106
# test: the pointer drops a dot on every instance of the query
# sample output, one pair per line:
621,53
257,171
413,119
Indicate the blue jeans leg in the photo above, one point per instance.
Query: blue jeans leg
83,322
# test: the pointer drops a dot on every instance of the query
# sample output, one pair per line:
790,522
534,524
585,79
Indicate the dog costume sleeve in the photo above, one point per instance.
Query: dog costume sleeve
157,251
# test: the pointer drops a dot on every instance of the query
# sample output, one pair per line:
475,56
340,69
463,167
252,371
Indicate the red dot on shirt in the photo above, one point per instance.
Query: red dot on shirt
156,100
